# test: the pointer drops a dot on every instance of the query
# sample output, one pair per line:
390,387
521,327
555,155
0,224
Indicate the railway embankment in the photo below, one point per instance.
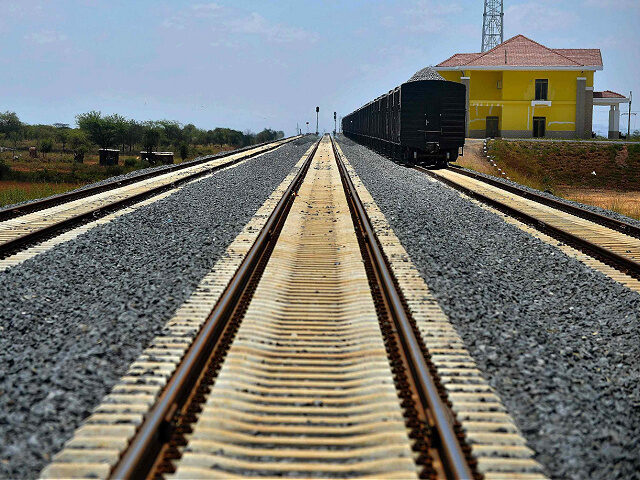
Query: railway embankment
599,174
76,316
556,339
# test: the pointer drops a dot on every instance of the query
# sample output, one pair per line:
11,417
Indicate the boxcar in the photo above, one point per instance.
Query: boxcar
419,121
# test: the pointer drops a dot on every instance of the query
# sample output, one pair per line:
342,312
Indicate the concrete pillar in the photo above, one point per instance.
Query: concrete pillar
466,82
588,112
614,121
581,83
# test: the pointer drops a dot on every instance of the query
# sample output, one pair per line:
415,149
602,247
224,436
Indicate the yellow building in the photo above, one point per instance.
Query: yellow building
523,89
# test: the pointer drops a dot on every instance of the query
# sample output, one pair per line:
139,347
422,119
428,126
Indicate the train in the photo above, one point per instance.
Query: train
420,122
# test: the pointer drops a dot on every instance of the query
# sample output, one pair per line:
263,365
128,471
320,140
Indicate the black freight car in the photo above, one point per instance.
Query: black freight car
421,121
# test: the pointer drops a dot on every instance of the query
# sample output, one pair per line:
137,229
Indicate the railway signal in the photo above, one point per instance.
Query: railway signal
334,123
317,111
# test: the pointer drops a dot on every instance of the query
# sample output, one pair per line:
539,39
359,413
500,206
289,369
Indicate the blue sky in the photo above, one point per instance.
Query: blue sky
256,64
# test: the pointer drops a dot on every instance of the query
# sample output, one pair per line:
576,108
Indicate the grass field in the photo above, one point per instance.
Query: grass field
606,176
15,192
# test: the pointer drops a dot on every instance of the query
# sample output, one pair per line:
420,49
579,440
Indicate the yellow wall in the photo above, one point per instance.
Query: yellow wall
484,85
512,103
451,75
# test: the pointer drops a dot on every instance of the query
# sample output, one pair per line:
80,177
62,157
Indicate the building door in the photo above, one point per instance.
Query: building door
492,127
539,126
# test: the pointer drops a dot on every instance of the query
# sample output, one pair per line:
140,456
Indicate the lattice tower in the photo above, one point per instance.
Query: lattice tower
492,26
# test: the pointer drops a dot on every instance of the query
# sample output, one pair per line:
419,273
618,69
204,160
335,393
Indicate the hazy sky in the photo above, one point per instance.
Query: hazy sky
256,64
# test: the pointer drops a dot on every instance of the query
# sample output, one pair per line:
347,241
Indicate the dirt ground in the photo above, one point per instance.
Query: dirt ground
475,159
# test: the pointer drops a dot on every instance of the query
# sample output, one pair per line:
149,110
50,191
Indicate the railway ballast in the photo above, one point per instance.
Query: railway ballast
297,383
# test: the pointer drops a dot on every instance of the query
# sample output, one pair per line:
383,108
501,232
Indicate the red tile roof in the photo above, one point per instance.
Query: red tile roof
607,94
584,56
458,59
520,51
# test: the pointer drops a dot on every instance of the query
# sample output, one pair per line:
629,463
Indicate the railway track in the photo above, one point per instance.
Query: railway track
41,204
610,241
298,356
25,225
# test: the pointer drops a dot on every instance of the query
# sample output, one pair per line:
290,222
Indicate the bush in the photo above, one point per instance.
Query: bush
184,151
129,162
113,170
5,170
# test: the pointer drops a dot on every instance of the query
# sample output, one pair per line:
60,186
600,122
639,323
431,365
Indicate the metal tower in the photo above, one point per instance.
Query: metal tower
492,27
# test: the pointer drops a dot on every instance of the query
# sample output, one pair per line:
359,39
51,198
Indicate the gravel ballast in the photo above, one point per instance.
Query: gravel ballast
558,341
75,317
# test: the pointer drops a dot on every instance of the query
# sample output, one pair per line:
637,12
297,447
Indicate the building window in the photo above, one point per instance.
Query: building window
542,86
539,126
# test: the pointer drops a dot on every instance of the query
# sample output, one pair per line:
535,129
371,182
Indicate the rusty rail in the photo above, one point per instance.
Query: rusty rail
156,429
444,438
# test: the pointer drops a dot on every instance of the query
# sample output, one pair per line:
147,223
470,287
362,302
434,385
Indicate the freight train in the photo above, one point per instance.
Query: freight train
422,121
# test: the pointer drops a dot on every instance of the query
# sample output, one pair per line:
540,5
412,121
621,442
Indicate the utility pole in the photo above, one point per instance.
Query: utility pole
492,24
629,119
317,113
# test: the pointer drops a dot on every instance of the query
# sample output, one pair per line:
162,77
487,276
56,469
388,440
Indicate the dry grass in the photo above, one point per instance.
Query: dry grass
626,203
14,192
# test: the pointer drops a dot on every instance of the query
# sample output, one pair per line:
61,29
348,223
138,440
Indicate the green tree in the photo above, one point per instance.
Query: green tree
80,144
46,145
172,132
134,133
62,134
120,128
217,136
151,137
101,130
9,122
10,127
189,133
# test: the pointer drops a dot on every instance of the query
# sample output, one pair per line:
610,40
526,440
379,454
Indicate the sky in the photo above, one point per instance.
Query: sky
256,64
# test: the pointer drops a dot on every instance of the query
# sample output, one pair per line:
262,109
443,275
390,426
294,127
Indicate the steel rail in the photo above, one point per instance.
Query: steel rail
19,210
11,246
622,227
620,262
156,427
454,459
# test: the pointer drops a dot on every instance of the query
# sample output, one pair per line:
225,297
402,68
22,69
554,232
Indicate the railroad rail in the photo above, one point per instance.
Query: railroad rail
608,240
307,366
31,223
